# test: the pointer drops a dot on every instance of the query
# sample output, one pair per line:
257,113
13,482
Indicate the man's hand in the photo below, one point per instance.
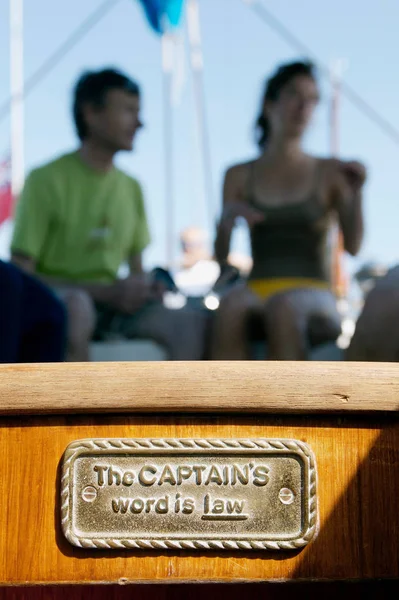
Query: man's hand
236,209
23,262
130,294
355,175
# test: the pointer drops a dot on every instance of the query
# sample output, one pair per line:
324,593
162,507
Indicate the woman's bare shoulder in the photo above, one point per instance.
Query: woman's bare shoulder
330,170
236,180
239,170
326,163
335,166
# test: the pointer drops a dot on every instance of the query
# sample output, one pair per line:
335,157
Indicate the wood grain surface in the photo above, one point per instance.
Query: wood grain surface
358,465
199,387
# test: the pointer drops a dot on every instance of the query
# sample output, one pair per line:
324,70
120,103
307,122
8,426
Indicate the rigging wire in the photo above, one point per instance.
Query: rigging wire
52,61
295,42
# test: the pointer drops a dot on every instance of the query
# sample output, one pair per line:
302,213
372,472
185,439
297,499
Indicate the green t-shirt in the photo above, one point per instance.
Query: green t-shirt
78,224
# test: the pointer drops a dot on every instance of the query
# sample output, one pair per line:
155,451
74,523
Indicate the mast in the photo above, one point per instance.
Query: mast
339,279
197,68
167,73
17,90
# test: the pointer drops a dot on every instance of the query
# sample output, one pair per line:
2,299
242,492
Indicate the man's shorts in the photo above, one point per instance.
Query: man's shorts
111,324
182,332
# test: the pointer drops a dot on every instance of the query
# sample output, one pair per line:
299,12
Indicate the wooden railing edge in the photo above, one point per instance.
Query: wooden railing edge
228,387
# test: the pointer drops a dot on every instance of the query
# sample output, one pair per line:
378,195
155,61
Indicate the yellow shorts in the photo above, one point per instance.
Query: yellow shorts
265,288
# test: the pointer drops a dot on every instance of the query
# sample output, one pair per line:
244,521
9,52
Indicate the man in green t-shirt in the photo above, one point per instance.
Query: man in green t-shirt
79,218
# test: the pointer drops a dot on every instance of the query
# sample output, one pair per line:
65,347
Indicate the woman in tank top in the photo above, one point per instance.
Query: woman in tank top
289,200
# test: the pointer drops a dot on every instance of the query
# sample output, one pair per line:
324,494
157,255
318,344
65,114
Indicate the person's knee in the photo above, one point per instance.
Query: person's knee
81,314
180,332
10,278
285,310
233,307
286,328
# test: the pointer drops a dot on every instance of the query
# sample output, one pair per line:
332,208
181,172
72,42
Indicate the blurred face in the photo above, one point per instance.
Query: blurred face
116,123
291,113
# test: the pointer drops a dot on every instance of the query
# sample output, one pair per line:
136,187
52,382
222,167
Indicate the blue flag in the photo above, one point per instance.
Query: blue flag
163,14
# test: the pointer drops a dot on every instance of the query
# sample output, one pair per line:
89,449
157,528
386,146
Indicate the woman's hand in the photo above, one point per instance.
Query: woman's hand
349,180
355,175
233,210
134,292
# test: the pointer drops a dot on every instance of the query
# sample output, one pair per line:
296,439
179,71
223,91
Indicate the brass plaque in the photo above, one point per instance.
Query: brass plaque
194,494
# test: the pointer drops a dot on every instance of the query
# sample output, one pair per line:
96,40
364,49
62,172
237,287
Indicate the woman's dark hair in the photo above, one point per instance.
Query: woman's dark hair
274,85
92,88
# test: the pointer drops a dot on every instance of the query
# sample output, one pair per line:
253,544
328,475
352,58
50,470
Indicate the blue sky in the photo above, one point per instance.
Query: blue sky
239,51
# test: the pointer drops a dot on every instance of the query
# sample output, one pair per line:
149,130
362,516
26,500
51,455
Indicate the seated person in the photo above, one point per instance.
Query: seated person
198,271
289,199
376,336
32,319
79,218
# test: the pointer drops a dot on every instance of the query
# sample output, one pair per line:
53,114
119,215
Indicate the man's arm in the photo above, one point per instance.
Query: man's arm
349,181
26,263
125,295
104,293
32,226
141,235
136,264
33,217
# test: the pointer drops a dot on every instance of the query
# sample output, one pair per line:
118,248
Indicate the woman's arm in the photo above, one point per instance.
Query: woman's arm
347,201
227,220
234,205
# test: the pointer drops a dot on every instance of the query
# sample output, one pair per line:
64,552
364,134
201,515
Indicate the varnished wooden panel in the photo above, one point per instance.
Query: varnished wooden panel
358,463
199,387
276,591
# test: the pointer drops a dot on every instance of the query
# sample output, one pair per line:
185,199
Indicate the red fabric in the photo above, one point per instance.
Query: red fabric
5,191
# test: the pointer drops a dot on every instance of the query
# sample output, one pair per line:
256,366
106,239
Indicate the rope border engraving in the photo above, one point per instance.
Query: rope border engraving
198,444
